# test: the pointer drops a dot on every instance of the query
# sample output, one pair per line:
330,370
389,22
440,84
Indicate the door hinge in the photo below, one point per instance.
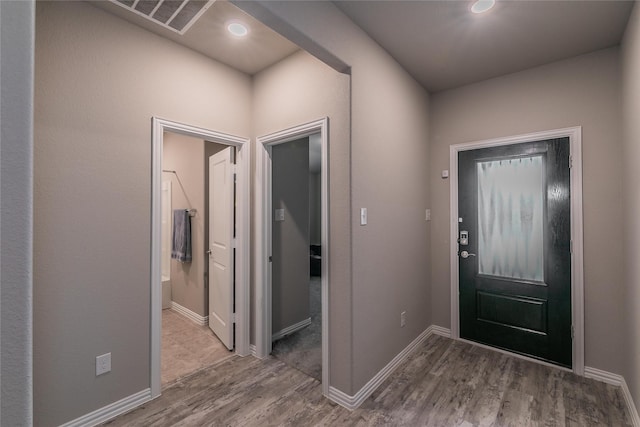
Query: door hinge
570,162
571,246
233,318
573,332
233,243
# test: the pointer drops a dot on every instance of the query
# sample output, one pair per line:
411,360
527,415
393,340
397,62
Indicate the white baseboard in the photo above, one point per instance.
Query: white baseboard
603,376
352,402
439,330
631,405
191,315
619,381
111,411
291,329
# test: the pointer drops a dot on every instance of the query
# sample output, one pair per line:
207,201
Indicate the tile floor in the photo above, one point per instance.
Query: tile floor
187,347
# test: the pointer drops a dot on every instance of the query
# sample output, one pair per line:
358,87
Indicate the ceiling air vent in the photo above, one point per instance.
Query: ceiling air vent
175,15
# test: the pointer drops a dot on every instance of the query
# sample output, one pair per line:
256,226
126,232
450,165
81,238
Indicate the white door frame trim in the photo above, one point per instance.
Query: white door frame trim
577,256
263,235
243,169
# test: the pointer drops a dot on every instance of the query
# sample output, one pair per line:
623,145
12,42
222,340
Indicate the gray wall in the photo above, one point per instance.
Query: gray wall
389,176
631,201
185,155
16,210
583,91
290,238
315,189
315,208
281,100
99,80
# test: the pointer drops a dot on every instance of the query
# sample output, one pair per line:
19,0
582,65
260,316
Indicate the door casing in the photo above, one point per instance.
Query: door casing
263,236
243,164
577,263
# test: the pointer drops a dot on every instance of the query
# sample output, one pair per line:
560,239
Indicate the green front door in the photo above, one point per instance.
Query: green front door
514,248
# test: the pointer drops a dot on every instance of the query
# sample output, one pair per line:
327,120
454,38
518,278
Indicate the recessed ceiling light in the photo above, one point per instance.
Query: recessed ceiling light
238,29
481,6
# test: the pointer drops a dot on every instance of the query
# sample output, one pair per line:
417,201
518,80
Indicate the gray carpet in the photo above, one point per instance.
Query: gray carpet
303,349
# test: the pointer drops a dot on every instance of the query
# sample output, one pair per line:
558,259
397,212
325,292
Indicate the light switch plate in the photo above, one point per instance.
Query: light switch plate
279,215
427,215
363,216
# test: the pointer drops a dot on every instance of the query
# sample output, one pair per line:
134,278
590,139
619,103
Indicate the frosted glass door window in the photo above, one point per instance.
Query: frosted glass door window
510,218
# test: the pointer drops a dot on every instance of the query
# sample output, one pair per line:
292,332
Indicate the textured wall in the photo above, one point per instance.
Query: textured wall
16,207
389,176
315,208
186,156
298,90
631,201
290,238
99,80
583,91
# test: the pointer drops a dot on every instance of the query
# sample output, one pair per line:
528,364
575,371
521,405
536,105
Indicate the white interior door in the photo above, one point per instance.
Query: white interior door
221,225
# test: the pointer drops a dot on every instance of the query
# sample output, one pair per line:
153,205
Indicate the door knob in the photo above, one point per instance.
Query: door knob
465,254
209,252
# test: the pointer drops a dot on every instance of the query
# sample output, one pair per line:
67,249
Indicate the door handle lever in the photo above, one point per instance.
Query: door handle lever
465,254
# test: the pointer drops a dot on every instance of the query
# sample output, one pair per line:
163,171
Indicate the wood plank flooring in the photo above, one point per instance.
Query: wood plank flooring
442,383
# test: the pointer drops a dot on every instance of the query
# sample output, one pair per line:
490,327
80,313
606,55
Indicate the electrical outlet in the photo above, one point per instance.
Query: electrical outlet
103,364
403,319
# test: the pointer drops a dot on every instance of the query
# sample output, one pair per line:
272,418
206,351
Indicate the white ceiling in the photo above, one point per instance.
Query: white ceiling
440,43
261,48
443,45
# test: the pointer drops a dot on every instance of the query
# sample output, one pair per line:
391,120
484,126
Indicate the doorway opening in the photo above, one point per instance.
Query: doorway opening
296,254
287,231
519,271
200,248
197,216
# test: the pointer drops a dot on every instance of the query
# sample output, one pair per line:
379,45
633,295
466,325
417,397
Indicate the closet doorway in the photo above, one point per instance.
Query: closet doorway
194,165
293,250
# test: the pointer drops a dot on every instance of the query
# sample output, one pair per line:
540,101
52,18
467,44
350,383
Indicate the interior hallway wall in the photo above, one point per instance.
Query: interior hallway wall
290,237
185,155
98,82
315,189
582,91
389,158
282,99
16,216
631,201
315,208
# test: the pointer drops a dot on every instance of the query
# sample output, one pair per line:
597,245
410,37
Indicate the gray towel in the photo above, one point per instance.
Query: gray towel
181,242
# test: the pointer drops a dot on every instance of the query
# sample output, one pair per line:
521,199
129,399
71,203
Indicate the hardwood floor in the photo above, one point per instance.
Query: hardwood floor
442,383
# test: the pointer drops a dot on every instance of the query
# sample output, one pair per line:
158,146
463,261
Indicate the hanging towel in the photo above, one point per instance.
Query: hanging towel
181,242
